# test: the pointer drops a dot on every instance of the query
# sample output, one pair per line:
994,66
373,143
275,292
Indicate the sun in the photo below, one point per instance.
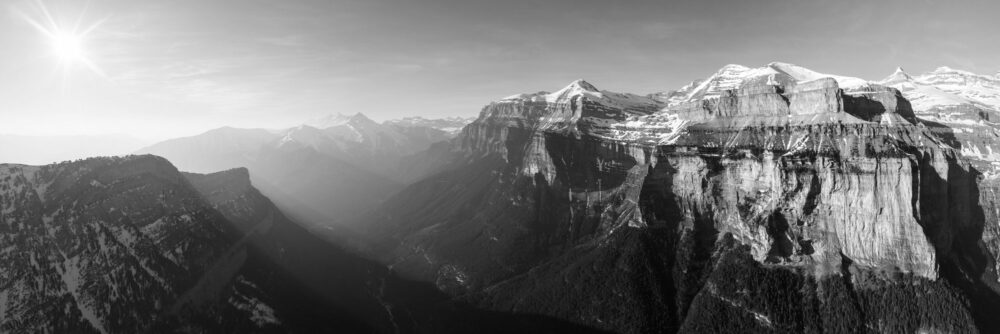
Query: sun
67,39
68,47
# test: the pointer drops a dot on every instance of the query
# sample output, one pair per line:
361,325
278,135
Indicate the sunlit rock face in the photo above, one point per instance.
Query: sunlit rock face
814,174
804,172
830,185
806,196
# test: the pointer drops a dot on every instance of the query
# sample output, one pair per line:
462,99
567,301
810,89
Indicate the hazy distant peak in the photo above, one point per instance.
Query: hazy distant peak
338,119
359,118
332,119
304,128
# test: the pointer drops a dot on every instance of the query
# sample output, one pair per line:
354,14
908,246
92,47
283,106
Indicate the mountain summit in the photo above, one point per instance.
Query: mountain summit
897,76
770,199
337,120
581,85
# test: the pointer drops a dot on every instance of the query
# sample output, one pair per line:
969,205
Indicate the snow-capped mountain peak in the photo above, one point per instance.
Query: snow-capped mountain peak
898,76
575,88
580,84
337,120
732,76
360,118
726,78
329,120
802,74
583,89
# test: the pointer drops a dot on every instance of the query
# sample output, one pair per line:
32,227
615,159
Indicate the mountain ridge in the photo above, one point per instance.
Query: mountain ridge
842,193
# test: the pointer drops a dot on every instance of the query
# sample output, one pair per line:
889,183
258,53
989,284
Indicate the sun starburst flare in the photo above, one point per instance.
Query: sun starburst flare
68,41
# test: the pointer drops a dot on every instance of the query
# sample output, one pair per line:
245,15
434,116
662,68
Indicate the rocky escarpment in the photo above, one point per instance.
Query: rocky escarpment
131,245
101,245
886,197
784,203
767,99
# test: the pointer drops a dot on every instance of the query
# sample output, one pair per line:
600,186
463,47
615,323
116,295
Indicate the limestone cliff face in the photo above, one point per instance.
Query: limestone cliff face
878,103
808,196
837,188
799,194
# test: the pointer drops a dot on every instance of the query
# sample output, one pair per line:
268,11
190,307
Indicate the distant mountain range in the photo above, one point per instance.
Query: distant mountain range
324,170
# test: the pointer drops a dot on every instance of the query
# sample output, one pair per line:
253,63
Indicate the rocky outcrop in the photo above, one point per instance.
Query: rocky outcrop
101,245
785,179
877,103
772,99
816,97
810,195
749,100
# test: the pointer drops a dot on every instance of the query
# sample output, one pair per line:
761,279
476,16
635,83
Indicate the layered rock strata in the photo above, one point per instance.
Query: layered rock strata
840,188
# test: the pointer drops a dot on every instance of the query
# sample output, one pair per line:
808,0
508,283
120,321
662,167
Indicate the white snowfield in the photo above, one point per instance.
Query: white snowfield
955,98
732,76
946,87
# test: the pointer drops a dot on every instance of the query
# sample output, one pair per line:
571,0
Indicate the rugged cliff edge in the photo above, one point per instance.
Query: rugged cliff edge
131,245
774,199
101,245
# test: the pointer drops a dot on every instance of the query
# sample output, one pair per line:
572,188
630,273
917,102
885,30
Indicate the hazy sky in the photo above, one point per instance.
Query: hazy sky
172,68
